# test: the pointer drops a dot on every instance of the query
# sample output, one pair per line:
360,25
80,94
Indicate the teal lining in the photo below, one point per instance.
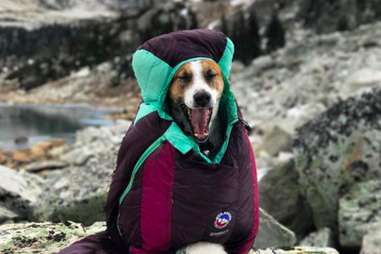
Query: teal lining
149,70
145,109
225,62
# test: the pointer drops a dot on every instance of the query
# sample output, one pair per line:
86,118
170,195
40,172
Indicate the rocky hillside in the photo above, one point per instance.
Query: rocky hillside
307,77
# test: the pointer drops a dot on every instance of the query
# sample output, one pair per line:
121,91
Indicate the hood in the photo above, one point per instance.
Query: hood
157,60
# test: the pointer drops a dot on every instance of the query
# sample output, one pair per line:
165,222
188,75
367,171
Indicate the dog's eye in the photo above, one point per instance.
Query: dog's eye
185,78
210,74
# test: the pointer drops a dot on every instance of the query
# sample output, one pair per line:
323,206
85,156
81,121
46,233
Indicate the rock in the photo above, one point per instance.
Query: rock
321,238
273,234
263,63
293,85
299,250
44,165
49,238
19,192
275,141
7,215
332,16
361,81
281,196
78,157
21,157
57,151
359,212
300,114
21,140
75,209
364,77
41,149
336,150
70,193
37,152
44,237
33,155
371,243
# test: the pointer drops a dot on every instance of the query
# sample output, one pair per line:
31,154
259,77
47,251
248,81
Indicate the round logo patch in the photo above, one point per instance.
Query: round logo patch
222,220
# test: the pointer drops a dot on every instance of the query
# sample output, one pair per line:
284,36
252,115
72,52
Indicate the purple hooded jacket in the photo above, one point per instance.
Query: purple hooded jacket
165,193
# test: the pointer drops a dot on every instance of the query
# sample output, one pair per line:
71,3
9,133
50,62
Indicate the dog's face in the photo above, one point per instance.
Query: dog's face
194,96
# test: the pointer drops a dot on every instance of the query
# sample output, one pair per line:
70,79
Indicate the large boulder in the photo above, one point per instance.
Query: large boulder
336,150
281,196
78,192
359,212
19,194
273,234
44,237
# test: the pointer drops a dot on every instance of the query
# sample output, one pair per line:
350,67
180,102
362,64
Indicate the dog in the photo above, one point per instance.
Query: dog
194,97
185,179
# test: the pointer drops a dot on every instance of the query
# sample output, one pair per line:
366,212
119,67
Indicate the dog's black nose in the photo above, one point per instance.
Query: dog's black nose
202,99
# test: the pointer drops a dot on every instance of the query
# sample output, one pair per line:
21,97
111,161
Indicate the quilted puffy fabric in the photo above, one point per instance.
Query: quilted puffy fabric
165,193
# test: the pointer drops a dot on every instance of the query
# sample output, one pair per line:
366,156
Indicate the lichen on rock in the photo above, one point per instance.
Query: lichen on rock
47,238
359,212
336,150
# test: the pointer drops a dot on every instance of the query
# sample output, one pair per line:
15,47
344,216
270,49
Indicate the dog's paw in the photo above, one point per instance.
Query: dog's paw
203,248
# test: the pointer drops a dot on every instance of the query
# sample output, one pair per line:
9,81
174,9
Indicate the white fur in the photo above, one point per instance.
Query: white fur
204,248
199,84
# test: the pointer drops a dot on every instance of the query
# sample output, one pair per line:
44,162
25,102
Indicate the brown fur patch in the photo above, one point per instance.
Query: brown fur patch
217,82
178,86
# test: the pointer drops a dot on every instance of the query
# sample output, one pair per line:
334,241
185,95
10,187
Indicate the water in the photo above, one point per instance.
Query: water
24,125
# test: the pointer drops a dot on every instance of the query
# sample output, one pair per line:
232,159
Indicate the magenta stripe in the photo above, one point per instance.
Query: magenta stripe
156,205
254,230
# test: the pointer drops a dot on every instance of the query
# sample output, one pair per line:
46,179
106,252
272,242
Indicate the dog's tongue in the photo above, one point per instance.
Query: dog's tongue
199,119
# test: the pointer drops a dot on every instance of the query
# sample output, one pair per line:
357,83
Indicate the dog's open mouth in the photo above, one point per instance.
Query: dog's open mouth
199,119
